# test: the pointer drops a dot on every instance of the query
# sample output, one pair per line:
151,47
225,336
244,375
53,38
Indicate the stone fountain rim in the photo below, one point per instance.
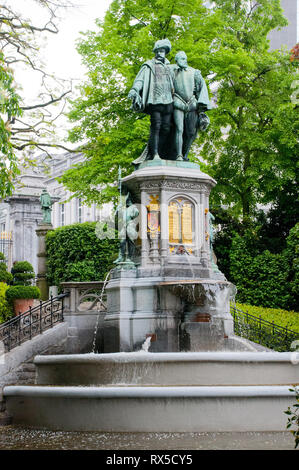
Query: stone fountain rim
194,281
150,392
147,357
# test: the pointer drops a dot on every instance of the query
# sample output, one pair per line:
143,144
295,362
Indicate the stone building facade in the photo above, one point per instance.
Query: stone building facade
288,36
21,213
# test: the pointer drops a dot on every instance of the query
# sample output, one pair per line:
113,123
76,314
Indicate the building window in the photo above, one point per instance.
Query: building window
79,210
62,214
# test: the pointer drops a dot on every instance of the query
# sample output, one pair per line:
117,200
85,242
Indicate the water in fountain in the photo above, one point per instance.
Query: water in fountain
146,345
99,313
190,266
189,261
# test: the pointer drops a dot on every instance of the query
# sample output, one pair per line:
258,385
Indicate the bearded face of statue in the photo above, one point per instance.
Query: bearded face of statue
160,54
181,60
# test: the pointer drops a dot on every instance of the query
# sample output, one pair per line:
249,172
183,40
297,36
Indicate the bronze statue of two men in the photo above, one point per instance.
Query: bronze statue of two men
176,98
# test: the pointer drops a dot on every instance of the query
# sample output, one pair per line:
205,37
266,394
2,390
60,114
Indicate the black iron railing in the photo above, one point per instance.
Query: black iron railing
263,332
35,321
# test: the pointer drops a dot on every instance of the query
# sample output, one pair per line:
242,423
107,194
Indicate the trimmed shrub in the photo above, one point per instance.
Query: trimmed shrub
23,273
22,292
75,253
6,311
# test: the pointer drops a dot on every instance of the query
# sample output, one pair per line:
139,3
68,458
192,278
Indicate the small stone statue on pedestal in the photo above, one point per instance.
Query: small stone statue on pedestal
42,229
46,206
126,214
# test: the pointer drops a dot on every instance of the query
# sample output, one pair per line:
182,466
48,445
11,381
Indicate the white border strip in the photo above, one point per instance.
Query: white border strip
147,392
134,357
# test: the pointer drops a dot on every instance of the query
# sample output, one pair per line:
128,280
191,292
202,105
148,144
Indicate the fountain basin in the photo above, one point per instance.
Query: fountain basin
150,409
168,369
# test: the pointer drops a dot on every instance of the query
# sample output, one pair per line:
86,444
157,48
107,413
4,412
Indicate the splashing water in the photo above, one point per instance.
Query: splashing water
99,313
146,345
189,261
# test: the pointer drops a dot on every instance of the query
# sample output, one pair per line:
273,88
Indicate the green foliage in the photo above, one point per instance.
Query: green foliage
23,273
116,135
293,416
5,276
258,155
261,278
81,271
9,106
284,318
74,253
22,292
22,267
6,311
276,224
292,256
223,238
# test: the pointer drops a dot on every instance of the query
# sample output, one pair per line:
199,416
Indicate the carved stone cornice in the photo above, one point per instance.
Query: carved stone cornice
200,187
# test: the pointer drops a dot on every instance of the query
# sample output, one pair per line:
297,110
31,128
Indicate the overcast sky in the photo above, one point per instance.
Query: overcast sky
59,50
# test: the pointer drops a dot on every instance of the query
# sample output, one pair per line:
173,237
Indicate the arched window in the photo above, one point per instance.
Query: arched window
181,226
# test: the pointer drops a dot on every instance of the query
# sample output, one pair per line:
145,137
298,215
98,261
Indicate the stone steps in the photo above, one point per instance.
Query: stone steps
24,374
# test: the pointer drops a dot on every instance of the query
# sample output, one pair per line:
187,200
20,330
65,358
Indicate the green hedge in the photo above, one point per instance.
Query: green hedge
284,318
263,278
75,253
6,310
22,292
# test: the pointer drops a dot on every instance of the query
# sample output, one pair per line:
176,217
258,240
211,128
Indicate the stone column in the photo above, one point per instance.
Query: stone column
42,282
143,230
164,225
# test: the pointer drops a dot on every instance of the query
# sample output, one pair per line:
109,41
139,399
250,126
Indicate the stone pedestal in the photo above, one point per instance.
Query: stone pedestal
175,195
138,308
174,250
42,282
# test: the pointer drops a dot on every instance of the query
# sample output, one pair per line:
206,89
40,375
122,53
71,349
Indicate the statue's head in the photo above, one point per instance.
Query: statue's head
162,48
181,59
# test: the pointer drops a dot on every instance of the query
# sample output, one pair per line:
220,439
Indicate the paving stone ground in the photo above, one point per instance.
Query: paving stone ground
16,438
